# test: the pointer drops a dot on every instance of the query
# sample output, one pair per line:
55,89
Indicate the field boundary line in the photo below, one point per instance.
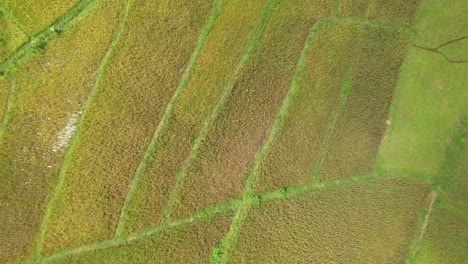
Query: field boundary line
248,51
277,195
230,239
198,217
75,137
206,30
41,39
15,21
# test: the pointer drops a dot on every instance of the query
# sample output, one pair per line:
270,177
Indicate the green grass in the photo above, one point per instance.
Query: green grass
48,92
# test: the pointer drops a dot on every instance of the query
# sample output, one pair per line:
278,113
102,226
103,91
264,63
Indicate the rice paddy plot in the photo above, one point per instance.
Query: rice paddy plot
366,223
207,88
35,15
221,167
47,94
4,92
361,126
396,12
190,243
310,108
11,36
158,37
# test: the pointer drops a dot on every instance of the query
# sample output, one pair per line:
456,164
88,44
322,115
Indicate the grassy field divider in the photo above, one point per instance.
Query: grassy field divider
221,253
167,113
15,21
75,138
40,40
181,174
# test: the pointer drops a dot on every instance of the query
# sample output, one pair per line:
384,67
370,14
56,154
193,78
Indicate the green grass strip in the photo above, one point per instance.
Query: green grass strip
40,40
221,253
167,113
181,174
75,139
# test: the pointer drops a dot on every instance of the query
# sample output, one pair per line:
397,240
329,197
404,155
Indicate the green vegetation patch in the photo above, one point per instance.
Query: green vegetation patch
48,91
431,95
365,223
36,15
398,12
190,243
208,86
241,128
311,106
149,60
11,36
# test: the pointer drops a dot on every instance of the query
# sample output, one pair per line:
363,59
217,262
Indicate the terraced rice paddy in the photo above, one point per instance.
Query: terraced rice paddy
233,131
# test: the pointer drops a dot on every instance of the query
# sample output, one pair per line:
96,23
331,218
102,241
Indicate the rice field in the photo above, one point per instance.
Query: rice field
233,131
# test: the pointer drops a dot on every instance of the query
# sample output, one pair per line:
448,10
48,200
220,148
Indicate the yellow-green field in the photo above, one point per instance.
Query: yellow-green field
233,131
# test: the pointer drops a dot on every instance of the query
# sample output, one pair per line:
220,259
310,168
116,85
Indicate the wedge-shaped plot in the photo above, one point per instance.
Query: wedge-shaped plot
148,63
366,223
11,36
36,15
397,12
238,133
48,92
311,108
191,243
223,55
358,132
